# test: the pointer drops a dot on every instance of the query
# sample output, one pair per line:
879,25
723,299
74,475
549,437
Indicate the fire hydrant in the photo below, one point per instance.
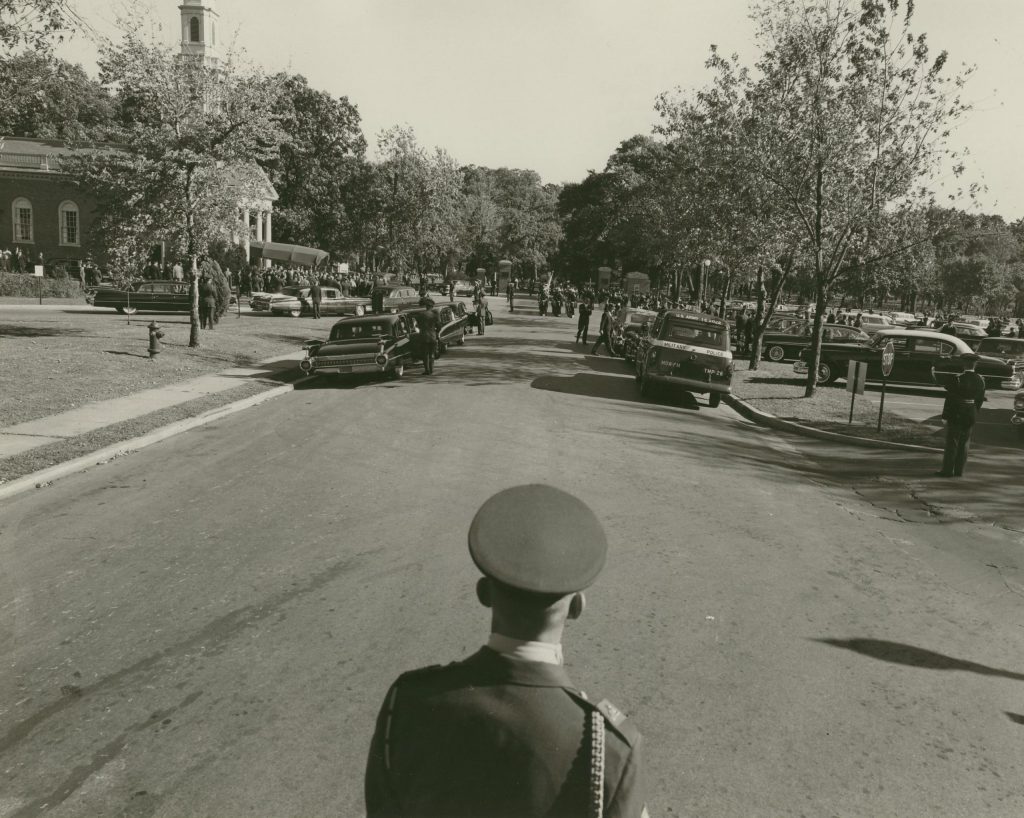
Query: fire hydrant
155,334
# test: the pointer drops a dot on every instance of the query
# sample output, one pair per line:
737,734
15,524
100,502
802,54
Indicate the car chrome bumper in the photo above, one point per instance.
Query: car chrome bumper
1010,383
339,369
690,384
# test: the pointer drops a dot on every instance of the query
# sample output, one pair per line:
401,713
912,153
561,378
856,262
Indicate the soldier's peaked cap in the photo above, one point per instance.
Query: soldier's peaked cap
538,538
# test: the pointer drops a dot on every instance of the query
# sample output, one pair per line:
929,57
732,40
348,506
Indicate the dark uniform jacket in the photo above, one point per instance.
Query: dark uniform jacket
316,294
496,737
964,396
428,322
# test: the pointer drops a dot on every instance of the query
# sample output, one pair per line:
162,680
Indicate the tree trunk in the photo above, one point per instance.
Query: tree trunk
190,245
755,347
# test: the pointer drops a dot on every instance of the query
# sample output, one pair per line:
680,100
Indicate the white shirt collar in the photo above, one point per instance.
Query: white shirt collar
546,652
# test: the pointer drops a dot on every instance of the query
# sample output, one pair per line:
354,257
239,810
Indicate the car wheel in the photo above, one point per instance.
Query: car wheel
360,310
714,399
462,339
295,313
776,353
825,374
441,348
398,370
127,310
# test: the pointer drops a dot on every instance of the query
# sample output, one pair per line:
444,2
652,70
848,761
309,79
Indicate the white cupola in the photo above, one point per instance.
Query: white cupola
199,31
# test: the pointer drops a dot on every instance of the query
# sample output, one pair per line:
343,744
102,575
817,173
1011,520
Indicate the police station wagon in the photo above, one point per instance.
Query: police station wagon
688,350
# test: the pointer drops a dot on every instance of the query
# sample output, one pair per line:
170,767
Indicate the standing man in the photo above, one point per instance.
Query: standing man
741,331
207,302
505,732
451,290
316,295
481,312
964,396
178,272
427,322
605,330
583,322
511,292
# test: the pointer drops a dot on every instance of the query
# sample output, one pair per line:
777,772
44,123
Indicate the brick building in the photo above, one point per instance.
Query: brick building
43,212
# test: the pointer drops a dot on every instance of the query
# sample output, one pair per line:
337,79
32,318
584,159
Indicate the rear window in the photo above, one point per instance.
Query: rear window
365,329
997,346
687,332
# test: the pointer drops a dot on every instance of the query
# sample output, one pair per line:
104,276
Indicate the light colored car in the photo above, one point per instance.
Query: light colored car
295,301
904,319
465,288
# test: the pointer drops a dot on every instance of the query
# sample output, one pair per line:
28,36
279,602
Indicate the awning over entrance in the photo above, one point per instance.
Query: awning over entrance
291,253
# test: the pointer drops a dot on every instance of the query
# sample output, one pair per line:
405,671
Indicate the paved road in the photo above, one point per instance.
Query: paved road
207,627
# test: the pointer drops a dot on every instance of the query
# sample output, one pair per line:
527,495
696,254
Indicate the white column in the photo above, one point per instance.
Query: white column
245,232
259,225
269,224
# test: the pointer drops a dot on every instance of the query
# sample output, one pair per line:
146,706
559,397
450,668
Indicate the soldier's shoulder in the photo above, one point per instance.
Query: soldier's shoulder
615,720
431,678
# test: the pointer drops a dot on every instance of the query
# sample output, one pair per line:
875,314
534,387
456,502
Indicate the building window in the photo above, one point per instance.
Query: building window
69,232
193,30
22,218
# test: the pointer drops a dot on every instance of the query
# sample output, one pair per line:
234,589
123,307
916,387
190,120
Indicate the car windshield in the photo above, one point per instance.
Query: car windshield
1002,346
686,332
293,291
362,329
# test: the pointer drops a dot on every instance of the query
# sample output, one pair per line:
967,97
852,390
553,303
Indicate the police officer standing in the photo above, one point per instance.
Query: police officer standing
207,303
505,732
428,321
605,331
964,396
583,323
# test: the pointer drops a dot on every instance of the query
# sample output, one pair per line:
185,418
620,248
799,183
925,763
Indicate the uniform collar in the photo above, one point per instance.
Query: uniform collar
495,668
529,651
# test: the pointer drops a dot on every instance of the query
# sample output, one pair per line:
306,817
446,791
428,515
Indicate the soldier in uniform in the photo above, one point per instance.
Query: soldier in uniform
505,732
964,396
428,322
316,296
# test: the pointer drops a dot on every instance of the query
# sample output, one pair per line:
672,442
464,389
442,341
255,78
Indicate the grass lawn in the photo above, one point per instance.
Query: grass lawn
774,388
54,360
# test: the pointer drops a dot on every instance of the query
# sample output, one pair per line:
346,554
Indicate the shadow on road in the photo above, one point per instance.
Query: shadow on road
911,656
1016,718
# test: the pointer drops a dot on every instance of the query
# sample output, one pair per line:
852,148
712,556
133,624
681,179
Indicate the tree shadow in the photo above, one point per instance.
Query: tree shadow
22,331
911,656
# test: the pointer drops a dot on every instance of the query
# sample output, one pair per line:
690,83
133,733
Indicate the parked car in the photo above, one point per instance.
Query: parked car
1018,413
394,298
627,321
782,345
971,333
923,357
366,344
1010,350
452,325
295,301
688,350
904,319
147,296
465,287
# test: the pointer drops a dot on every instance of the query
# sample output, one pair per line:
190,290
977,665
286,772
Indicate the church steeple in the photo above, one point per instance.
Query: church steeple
199,31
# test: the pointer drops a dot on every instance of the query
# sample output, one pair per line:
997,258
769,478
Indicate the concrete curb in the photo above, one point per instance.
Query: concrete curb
42,478
765,419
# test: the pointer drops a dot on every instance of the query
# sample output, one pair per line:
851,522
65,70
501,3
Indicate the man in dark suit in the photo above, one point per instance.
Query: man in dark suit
964,396
505,732
583,322
428,323
605,330
316,295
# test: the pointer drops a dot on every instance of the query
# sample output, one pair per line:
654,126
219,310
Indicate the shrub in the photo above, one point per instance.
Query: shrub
220,284
18,285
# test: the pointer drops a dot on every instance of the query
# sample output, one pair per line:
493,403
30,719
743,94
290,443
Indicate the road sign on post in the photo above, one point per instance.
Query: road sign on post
888,359
856,378
38,272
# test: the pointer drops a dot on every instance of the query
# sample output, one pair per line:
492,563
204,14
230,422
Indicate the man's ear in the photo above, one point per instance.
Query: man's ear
483,592
577,605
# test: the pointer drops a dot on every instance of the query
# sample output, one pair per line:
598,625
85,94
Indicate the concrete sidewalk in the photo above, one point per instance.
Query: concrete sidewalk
25,436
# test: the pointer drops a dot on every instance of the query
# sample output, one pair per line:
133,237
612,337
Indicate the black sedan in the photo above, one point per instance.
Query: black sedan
148,296
369,344
787,344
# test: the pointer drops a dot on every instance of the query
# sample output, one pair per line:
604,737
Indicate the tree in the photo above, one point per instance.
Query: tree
320,157
33,24
189,136
49,98
852,117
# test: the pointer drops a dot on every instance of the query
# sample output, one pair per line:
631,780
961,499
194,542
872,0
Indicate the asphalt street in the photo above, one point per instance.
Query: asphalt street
208,627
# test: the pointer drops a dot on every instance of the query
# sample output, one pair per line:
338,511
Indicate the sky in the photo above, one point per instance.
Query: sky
556,85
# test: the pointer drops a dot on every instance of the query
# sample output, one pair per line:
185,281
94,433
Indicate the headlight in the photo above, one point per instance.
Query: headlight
382,360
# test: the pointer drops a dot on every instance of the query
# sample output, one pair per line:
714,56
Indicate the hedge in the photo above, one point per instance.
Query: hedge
20,285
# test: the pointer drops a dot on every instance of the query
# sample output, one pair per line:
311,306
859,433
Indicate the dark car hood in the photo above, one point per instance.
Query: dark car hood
989,362
360,347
